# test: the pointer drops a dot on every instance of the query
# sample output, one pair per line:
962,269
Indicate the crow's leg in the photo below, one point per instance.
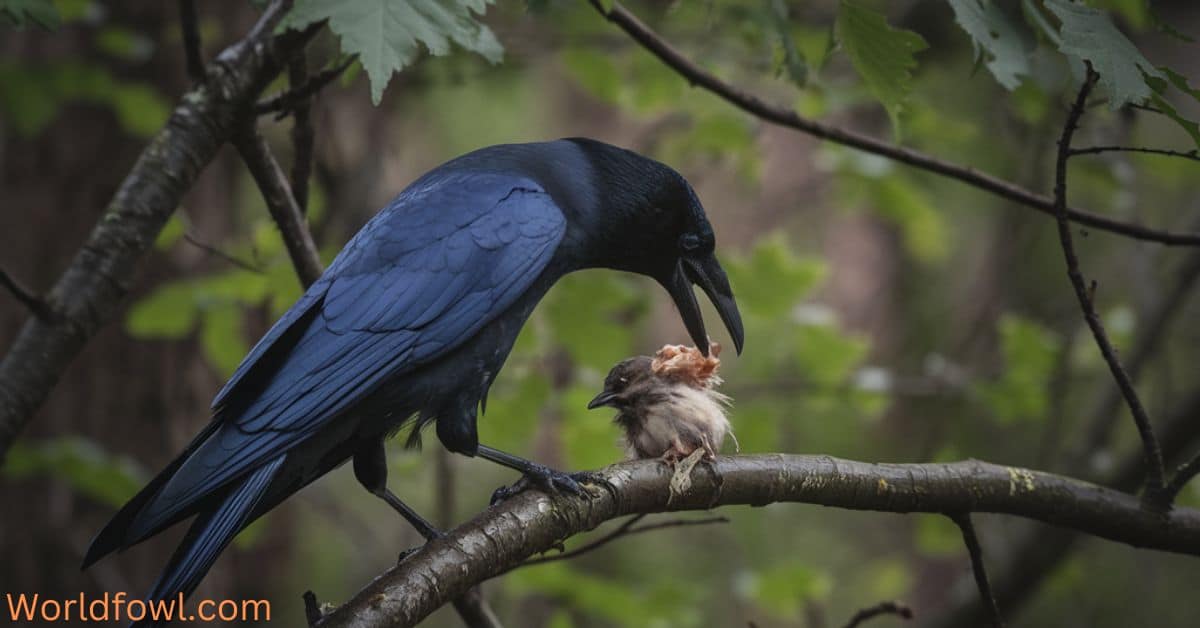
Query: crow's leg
534,474
370,467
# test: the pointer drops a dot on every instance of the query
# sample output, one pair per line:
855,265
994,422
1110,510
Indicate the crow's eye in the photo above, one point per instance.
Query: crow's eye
689,242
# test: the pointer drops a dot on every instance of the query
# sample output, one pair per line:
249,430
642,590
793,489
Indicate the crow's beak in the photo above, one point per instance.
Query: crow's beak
605,398
709,275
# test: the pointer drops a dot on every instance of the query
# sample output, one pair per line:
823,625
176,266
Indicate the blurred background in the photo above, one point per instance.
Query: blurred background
891,315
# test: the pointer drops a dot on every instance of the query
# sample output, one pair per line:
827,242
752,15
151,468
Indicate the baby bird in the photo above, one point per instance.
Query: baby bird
667,405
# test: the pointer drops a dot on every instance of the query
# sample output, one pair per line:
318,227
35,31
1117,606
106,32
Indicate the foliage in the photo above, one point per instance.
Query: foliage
23,13
1002,44
80,463
385,35
1022,391
883,56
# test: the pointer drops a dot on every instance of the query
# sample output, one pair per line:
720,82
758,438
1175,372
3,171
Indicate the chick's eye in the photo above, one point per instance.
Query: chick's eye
689,242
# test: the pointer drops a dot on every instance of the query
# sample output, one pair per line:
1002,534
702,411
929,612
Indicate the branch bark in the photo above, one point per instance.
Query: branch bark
504,535
1152,451
277,193
91,289
698,76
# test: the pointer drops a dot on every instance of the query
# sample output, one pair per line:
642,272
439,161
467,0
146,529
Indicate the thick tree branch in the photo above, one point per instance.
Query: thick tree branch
1152,451
789,118
978,569
91,289
277,193
505,535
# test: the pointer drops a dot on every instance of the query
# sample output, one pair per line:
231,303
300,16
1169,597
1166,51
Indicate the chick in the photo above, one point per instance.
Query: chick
667,405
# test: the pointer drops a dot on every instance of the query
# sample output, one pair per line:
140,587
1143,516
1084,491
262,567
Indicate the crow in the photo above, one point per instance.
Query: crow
411,324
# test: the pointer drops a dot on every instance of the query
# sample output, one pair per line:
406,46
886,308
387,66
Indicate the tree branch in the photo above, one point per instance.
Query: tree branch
91,289
1027,561
32,302
278,195
302,134
505,535
1093,150
625,529
697,76
975,551
882,608
287,101
1183,475
1152,452
216,252
191,40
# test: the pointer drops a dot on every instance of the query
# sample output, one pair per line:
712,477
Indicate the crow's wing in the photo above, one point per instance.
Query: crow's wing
450,254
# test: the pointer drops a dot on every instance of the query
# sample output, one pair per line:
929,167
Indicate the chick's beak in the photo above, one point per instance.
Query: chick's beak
707,273
605,398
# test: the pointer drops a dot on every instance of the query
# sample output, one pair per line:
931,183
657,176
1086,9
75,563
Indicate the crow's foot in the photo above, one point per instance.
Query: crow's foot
549,481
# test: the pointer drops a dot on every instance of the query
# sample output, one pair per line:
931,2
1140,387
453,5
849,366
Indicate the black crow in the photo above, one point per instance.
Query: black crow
414,319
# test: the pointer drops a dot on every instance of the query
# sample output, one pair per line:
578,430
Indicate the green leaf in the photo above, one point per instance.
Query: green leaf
81,463
1021,392
1180,82
937,536
1003,45
594,71
168,312
782,590
586,432
221,337
882,55
591,316
1089,35
171,232
791,61
772,280
825,355
20,13
386,34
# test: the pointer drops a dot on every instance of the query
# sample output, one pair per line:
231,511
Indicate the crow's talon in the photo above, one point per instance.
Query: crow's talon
549,481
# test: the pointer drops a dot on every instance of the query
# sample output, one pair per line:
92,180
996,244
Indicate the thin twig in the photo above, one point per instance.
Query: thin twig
1183,475
1166,152
783,116
625,529
191,39
1153,453
302,134
282,205
229,257
1152,327
285,102
963,520
882,608
38,306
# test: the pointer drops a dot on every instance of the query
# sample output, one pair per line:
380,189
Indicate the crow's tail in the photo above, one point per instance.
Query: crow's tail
209,534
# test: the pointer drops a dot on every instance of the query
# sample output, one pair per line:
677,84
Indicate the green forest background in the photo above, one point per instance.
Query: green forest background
891,314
